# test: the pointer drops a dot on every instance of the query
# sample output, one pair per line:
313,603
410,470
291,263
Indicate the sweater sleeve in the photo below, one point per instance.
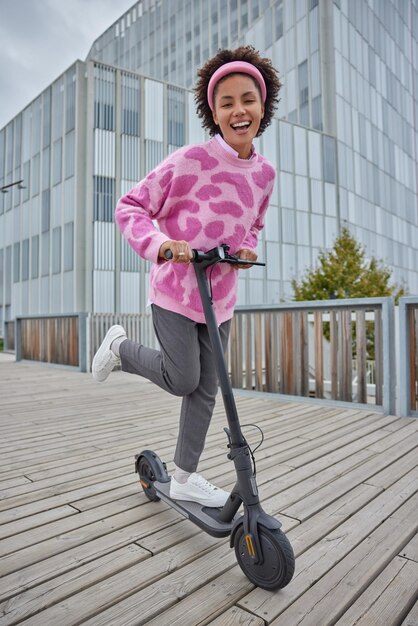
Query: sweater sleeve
251,240
136,211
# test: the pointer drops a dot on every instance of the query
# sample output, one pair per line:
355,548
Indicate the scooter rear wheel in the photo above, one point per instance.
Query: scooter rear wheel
147,478
278,566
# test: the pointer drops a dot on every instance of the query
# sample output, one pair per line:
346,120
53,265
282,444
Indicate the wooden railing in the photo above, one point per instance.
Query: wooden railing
408,350
307,349
56,339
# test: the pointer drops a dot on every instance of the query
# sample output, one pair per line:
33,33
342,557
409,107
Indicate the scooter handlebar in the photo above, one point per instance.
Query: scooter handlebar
218,254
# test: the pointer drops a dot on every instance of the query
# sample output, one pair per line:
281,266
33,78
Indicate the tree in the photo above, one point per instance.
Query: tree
345,272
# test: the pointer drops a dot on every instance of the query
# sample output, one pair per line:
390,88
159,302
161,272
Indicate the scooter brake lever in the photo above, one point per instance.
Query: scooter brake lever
228,434
235,260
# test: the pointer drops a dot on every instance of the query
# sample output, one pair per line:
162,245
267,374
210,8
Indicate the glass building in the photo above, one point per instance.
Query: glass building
344,144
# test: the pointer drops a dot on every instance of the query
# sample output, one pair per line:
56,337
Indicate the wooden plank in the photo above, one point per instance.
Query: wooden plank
410,551
258,352
68,481
17,481
319,355
328,599
32,522
24,510
345,355
315,448
94,521
86,549
361,356
208,602
389,597
31,601
135,595
331,517
315,562
237,617
306,507
333,354
394,471
304,353
248,352
412,618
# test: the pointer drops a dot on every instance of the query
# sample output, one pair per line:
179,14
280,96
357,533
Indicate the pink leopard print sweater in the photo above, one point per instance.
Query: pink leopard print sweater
206,196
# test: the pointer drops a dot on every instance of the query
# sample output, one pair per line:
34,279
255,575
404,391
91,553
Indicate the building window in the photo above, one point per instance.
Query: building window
175,116
26,181
329,158
303,93
25,259
57,162
104,98
317,113
69,154
46,128
278,20
36,174
45,211
46,174
57,109
16,262
104,199
56,250
131,98
68,246
45,254
70,99
35,257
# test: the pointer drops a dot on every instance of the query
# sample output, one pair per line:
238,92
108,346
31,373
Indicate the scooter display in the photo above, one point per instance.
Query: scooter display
263,551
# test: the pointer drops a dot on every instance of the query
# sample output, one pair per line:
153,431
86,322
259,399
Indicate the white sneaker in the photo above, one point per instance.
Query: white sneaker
198,489
105,360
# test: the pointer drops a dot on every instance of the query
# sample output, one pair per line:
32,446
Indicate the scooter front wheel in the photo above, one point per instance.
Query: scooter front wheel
278,566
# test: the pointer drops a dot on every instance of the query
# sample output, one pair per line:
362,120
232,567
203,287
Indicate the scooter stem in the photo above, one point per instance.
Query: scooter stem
237,438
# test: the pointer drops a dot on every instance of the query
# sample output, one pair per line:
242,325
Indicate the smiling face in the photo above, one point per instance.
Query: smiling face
238,112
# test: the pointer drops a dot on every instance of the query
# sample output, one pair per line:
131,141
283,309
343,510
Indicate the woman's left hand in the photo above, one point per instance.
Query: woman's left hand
245,255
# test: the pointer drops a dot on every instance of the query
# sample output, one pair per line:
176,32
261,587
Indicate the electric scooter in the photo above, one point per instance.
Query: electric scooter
263,551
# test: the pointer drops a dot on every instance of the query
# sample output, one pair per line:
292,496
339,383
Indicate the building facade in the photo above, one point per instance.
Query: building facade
344,144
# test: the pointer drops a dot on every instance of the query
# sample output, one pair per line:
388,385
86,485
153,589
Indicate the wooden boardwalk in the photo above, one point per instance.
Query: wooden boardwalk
80,544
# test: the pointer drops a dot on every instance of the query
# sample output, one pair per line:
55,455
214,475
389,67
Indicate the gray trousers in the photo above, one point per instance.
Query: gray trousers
185,366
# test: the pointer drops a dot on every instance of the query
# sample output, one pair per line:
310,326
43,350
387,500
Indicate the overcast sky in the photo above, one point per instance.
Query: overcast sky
40,39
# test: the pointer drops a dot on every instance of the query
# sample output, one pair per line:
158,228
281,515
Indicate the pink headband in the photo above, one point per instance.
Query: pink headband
241,67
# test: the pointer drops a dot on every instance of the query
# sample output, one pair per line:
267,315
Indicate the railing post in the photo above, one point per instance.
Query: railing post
82,342
18,338
389,360
407,356
404,371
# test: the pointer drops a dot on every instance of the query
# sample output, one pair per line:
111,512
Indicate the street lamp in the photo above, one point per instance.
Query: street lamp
6,188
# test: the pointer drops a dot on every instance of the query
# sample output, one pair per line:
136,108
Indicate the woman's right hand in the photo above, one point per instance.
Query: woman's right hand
180,250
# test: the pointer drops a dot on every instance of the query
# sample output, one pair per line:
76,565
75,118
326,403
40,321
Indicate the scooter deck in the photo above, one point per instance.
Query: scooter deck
205,517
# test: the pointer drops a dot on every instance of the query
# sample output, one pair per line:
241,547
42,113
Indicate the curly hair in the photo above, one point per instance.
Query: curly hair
243,53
